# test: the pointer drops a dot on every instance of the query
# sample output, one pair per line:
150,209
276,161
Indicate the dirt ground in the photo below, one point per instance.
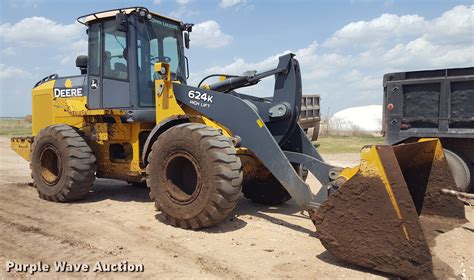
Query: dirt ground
118,223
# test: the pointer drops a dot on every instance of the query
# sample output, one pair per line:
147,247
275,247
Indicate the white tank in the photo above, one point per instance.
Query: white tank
367,119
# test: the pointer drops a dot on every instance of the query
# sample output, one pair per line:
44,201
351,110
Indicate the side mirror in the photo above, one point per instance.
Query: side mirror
186,39
81,63
121,22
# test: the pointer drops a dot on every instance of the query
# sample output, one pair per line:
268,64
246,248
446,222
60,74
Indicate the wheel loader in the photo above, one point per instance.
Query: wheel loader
130,115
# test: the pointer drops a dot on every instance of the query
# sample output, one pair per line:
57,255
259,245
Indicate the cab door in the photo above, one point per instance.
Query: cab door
94,65
109,85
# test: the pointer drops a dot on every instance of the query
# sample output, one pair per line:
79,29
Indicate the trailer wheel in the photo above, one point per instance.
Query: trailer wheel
194,176
269,191
459,169
62,164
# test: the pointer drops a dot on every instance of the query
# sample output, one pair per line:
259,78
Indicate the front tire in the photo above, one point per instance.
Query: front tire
63,165
194,176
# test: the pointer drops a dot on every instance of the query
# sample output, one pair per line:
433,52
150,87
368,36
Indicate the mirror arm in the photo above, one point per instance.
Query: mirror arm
187,66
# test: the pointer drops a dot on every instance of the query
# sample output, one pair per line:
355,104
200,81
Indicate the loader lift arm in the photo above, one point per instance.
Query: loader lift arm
259,128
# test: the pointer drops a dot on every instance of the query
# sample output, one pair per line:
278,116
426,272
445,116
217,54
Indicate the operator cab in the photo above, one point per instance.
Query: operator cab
124,45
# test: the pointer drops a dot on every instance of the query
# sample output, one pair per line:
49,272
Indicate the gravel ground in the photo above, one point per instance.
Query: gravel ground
117,223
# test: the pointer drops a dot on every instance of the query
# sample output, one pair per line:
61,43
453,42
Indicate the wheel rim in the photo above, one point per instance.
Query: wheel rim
183,179
50,165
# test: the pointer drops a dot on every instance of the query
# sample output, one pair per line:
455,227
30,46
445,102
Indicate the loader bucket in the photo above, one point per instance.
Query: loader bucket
426,173
372,219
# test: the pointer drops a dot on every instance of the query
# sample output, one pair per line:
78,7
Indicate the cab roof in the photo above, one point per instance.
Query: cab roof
86,19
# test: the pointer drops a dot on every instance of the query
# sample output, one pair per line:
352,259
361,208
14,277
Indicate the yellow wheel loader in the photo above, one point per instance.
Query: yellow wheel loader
130,115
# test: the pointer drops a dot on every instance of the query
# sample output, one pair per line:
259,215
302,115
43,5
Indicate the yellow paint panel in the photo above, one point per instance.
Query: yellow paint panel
42,106
260,123
64,110
120,131
101,132
165,101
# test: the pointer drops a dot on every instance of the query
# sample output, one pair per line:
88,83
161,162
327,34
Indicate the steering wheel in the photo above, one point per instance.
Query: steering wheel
155,59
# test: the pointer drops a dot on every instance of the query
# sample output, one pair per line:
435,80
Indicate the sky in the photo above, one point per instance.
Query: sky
344,46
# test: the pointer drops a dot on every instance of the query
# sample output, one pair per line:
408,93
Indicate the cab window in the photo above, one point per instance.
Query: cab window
115,52
170,50
157,41
94,49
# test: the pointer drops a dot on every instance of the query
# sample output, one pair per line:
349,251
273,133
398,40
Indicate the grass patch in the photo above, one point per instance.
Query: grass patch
14,127
346,144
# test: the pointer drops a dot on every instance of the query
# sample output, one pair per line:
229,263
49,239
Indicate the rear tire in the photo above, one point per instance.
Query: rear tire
269,191
194,176
459,169
63,165
138,185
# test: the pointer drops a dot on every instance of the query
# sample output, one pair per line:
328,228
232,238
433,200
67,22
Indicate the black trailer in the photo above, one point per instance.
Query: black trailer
434,103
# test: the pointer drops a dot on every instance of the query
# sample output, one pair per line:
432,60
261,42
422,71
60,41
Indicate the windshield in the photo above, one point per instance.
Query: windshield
158,40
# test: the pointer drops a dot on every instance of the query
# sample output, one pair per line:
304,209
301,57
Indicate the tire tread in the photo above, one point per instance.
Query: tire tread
226,168
79,166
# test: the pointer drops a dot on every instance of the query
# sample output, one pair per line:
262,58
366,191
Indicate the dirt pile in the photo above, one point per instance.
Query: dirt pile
358,224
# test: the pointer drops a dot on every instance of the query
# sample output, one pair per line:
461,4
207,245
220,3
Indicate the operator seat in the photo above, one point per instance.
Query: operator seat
120,70
107,64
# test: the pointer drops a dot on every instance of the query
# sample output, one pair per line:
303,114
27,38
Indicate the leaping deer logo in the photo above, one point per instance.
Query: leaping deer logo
94,84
